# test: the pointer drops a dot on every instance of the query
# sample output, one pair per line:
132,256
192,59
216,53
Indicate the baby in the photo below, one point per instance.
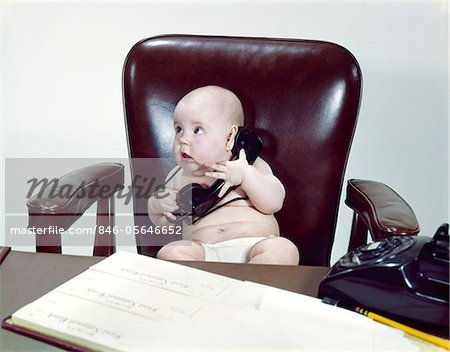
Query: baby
206,121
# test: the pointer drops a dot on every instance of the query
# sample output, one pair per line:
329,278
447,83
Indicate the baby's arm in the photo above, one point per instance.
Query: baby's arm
263,188
162,203
265,191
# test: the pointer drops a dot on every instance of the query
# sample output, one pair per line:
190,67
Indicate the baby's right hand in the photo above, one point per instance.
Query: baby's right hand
164,204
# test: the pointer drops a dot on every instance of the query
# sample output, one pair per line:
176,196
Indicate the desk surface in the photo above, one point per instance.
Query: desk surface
25,277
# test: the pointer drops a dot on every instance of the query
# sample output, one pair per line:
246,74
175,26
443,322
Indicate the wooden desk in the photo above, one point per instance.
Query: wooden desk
26,276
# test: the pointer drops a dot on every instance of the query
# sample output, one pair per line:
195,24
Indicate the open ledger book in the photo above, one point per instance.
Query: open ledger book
131,302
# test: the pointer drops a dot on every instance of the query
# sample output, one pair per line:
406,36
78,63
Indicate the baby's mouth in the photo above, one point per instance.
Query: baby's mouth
186,156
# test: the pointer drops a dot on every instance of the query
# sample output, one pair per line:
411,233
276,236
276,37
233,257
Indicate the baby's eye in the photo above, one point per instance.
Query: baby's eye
198,130
178,130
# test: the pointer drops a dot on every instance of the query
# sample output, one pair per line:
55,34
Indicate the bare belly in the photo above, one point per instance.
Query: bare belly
233,221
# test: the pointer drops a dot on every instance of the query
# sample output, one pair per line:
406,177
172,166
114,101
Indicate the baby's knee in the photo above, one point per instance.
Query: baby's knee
292,252
277,250
181,250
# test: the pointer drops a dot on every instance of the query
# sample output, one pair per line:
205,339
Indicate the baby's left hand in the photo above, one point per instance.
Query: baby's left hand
232,172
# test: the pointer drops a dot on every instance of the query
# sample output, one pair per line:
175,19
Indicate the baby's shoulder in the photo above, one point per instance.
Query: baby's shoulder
262,165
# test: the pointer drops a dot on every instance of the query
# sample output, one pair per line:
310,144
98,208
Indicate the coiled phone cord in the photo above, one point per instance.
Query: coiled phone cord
210,210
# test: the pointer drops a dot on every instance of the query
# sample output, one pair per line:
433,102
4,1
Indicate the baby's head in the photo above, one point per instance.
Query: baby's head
206,121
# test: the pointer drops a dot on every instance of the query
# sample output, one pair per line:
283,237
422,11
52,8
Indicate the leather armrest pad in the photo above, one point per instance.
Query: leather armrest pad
77,191
384,211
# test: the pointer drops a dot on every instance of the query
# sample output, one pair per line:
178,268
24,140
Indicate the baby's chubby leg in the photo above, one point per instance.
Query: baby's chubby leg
274,250
181,250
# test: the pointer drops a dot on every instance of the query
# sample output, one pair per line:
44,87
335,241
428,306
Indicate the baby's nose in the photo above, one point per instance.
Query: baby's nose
184,140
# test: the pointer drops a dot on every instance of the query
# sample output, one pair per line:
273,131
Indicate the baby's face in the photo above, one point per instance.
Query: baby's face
201,134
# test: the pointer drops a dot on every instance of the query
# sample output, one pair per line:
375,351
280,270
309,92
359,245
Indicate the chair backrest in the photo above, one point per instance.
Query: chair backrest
301,96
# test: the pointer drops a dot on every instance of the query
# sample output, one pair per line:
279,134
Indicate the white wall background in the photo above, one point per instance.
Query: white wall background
62,64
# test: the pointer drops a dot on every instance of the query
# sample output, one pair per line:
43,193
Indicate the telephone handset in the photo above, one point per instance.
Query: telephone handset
402,278
194,200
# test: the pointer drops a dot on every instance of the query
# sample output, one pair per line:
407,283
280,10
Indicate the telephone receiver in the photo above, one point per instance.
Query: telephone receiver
194,200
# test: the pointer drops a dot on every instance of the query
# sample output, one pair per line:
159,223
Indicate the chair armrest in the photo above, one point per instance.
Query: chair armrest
71,195
380,209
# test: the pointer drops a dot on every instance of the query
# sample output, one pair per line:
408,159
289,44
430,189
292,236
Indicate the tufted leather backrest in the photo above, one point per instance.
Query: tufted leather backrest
301,96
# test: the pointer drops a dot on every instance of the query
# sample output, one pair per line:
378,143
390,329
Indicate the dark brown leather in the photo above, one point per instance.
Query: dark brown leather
380,210
56,208
301,96
84,182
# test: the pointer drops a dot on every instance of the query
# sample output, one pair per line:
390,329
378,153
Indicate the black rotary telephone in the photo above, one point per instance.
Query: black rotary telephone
403,278
195,201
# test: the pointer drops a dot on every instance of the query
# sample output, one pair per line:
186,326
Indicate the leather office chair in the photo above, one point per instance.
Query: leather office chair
301,96
96,183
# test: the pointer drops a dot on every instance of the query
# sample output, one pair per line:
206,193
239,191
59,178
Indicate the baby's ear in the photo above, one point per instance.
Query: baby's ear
230,137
